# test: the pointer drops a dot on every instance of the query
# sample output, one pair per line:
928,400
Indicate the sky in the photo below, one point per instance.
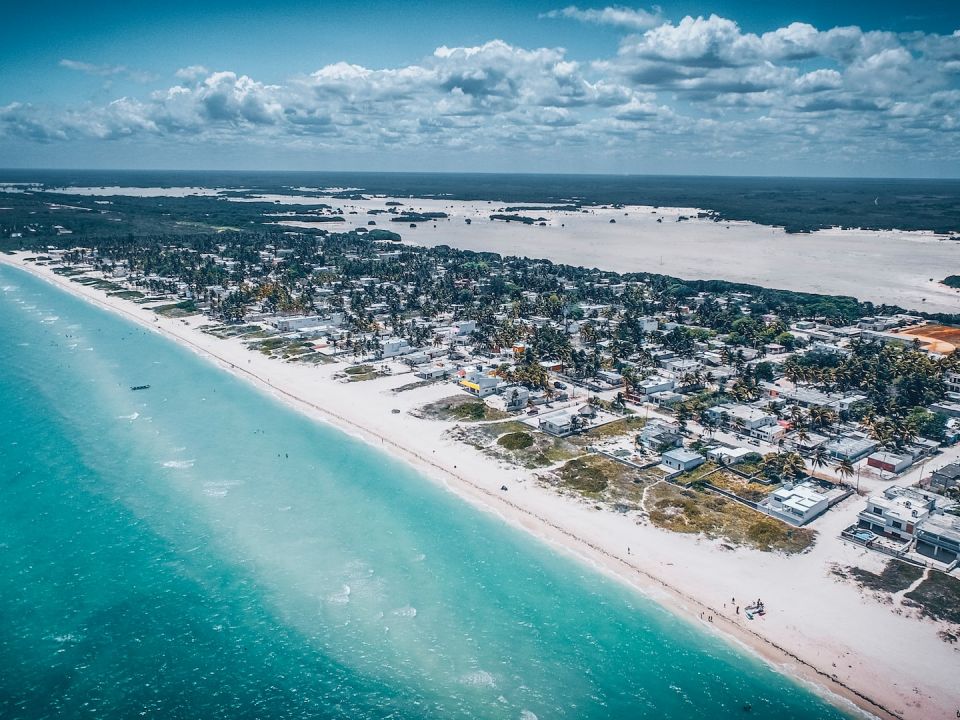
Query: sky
732,87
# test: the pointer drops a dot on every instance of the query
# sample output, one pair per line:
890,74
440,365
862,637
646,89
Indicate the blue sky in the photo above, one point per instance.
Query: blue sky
729,87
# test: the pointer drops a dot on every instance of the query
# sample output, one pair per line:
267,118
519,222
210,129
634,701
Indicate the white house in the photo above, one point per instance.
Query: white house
394,347
653,384
560,424
515,397
682,459
938,537
479,384
799,503
434,371
896,513
729,455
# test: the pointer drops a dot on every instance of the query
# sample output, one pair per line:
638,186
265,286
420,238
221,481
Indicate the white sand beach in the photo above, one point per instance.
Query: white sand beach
818,628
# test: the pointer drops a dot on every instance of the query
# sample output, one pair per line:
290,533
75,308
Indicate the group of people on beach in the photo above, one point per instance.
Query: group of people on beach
757,606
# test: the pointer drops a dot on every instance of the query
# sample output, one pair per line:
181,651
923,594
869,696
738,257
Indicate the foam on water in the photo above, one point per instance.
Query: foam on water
178,464
478,678
340,598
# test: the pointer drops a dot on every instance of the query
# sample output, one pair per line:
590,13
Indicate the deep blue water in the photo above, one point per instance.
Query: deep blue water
197,550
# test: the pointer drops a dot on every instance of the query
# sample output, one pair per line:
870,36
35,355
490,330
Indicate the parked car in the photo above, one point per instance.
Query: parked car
559,385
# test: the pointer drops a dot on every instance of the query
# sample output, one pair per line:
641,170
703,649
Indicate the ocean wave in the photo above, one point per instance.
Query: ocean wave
178,464
527,715
132,416
218,488
50,319
478,678
405,611
68,638
340,598
419,558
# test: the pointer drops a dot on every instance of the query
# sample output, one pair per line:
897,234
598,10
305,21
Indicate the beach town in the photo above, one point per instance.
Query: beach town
802,448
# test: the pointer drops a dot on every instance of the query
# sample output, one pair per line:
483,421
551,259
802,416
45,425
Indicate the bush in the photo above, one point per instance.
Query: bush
516,441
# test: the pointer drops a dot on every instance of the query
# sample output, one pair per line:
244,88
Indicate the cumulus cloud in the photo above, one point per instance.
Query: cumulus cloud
700,85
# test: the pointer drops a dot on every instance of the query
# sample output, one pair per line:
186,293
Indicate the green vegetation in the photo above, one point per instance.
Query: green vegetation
895,577
380,234
509,441
97,283
590,475
462,408
229,331
700,512
177,310
741,487
617,428
515,440
699,473
361,373
600,478
938,597
526,220
416,217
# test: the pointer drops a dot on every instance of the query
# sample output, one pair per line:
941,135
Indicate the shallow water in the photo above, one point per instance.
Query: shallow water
199,550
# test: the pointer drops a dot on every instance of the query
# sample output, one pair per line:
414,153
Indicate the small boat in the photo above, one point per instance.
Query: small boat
140,387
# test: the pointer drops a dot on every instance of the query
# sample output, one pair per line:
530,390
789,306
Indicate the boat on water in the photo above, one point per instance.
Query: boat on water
139,387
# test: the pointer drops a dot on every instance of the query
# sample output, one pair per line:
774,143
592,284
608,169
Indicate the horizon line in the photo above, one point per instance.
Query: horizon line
482,172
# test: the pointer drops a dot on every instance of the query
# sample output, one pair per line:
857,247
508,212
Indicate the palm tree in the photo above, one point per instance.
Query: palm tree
820,458
845,469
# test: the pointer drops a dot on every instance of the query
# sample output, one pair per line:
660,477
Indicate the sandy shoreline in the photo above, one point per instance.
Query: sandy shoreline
819,629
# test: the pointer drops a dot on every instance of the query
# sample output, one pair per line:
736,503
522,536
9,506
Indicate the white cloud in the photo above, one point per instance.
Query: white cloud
698,85
106,70
623,17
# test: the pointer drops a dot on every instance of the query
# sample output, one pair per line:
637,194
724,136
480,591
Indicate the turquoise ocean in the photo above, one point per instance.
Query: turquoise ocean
198,550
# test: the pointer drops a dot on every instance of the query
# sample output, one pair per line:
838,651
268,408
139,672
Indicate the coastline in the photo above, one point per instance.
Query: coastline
571,527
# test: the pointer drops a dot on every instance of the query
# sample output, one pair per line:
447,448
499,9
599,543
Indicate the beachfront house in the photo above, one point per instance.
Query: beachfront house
394,347
798,504
515,397
682,459
938,537
559,423
435,371
896,513
480,384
